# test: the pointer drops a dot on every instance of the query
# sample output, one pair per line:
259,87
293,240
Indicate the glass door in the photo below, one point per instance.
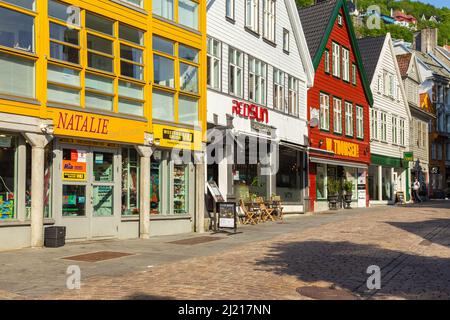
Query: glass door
103,188
180,189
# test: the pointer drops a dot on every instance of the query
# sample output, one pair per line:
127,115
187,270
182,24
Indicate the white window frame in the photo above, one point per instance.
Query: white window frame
337,115
292,96
354,74
402,132
383,124
394,131
258,71
336,65
286,40
269,19
252,15
278,89
229,4
360,122
345,64
349,119
374,124
236,66
326,63
324,111
213,59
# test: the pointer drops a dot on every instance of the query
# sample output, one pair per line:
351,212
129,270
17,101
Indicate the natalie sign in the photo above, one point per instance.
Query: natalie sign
250,111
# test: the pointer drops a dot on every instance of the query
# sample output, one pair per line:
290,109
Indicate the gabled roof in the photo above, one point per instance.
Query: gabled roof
370,49
403,61
318,22
315,20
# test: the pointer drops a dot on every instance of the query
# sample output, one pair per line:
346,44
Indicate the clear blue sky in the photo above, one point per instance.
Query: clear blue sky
437,3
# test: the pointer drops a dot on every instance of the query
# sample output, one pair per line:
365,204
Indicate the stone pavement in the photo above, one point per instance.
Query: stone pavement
410,244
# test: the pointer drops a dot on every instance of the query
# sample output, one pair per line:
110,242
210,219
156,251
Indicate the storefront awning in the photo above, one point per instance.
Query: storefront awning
338,163
293,146
264,137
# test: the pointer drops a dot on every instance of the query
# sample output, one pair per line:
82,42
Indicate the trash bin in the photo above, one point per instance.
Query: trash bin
55,236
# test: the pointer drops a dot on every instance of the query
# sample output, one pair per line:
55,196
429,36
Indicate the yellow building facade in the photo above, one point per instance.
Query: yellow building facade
102,115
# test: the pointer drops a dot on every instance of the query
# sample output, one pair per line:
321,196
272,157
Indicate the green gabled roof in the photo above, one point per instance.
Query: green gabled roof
318,22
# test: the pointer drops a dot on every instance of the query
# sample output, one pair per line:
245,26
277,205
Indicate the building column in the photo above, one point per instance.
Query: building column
38,143
200,169
380,183
145,153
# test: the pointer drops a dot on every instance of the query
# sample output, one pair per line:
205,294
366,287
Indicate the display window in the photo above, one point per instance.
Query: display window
289,175
373,183
8,176
321,181
130,182
180,189
156,164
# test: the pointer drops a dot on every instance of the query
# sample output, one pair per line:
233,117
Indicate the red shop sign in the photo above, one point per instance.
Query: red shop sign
250,111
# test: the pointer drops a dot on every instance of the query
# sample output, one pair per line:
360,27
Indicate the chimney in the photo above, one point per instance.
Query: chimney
426,40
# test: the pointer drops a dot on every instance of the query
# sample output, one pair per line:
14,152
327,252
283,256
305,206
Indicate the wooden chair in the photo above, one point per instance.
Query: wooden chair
249,215
278,207
266,213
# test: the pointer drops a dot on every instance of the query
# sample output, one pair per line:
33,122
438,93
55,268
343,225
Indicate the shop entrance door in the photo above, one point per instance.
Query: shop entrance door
90,199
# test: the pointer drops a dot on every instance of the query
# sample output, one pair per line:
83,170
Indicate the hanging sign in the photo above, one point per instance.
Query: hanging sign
408,156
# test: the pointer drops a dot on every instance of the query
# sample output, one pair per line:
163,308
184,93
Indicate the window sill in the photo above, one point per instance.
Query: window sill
19,99
230,20
176,124
129,218
286,51
26,223
270,42
170,217
130,6
177,24
252,32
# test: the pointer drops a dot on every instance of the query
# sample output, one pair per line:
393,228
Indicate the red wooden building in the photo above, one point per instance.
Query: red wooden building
338,105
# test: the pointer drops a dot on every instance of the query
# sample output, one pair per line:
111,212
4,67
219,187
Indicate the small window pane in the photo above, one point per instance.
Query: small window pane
188,77
131,70
103,166
131,34
99,44
16,30
73,200
98,101
188,110
137,3
131,107
188,53
63,95
17,76
162,45
163,8
99,83
64,34
65,53
127,89
27,4
162,106
163,71
97,23
100,62
188,13
58,11
130,53
63,75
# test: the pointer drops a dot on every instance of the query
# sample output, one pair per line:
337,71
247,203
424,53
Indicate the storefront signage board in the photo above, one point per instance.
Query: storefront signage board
342,148
250,111
408,156
94,126
215,191
177,138
226,212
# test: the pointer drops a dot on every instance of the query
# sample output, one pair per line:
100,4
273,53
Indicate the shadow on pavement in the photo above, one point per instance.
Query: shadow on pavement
144,296
344,264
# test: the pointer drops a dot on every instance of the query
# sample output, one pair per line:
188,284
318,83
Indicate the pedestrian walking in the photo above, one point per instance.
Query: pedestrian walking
416,188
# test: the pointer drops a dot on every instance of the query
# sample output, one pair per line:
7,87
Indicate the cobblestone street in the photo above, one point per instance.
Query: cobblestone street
411,245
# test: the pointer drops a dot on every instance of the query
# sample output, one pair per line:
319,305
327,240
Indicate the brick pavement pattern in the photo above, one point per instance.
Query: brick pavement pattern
411,245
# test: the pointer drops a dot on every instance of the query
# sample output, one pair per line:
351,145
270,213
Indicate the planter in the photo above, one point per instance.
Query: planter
348,200
332,201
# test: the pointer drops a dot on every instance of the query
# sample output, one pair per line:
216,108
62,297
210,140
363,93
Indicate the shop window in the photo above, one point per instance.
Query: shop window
236,69
131,98
386,180
17,76
214,55
156,172
163,8
180,189
188,110
351,174
8,176
289,175
130,182
16,30
99,92
373,183
321,178
163,105
278,89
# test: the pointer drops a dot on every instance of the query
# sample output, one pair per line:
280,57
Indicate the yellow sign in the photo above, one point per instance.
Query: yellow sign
74,176
94,126
174,137
342,148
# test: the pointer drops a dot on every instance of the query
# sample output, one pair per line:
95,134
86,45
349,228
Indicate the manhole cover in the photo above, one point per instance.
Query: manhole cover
98,256
321,293
196,240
